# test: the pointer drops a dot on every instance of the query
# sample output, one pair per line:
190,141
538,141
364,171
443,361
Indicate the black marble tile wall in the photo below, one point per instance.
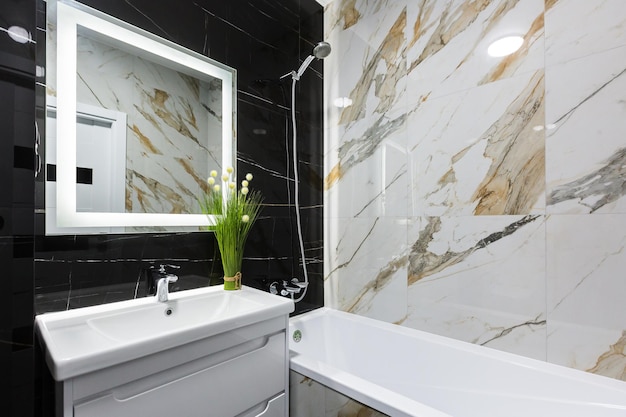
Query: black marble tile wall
263,41
17,115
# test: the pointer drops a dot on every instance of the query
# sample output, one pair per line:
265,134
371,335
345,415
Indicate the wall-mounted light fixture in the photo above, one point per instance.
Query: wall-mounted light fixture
19,34
505,46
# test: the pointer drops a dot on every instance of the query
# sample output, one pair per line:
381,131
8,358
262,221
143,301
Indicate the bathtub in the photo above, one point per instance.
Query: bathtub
405,372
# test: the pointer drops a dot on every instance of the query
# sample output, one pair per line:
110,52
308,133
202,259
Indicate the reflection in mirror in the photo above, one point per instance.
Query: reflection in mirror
138,124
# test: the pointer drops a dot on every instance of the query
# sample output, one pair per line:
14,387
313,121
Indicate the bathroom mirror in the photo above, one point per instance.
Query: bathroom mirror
134,125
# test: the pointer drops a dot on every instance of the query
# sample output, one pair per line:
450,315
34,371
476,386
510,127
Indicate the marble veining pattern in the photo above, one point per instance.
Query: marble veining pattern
598,184
464,282
503,213
587,254
424,263
596,189
448,39
368,248
476,152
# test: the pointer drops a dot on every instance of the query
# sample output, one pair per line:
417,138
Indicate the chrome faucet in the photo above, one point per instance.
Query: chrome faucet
162,292
158,280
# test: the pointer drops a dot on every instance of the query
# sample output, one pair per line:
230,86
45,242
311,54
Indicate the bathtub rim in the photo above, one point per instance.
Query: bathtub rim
378,398
346,383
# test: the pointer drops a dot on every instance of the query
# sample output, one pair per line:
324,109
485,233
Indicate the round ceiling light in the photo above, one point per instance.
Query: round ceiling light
505,46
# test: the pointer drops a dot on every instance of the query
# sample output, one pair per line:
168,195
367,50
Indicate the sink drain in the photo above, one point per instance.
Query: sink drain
169,311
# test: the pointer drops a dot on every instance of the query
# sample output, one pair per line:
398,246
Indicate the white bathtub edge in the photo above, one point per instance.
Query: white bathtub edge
361,390
387,401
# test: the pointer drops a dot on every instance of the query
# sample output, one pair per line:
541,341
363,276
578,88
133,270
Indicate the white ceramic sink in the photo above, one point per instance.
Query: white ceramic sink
147,321
92,338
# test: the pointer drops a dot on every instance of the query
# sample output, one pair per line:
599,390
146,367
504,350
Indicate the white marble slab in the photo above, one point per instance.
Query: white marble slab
586,286
477,152
480,279
490,142
586,145
370,171
447,44
365,266
576,29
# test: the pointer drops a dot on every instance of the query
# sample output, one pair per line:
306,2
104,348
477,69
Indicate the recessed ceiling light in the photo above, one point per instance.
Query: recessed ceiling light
19,34
505,46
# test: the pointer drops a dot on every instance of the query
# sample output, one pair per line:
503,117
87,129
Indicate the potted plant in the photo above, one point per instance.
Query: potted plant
235,212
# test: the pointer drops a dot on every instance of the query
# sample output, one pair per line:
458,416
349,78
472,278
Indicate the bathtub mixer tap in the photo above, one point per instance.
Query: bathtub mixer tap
287,288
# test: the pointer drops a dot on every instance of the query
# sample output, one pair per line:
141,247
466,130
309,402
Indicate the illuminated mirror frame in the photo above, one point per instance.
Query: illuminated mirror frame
72,18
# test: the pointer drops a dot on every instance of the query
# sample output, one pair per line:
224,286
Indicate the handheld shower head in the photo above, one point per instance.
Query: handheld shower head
321,50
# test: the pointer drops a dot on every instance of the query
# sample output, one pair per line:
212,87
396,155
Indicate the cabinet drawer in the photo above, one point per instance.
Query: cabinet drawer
225,389
274,407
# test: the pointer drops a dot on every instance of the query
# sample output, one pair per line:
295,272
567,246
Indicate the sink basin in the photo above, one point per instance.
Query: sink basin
92,338
160,318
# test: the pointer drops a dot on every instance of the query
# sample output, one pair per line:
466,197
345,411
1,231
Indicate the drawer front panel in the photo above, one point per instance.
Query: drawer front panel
226,389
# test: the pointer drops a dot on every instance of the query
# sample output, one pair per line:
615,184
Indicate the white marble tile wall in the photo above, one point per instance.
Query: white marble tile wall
476,197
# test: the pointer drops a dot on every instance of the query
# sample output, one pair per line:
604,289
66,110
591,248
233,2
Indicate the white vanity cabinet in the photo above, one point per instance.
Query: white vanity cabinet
242,371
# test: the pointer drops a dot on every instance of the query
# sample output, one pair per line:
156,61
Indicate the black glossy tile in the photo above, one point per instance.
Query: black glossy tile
40,20
23,247
23,187
311,21
22,310
6,221
24,103
6,323
23,157
22,272
22,221
139,13
22,367
22,338
52,276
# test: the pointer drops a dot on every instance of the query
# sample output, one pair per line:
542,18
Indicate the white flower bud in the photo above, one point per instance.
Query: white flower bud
244,183
229,170
225,177
249,177
211,180
214,173
245,218
231,185
216,188
244,190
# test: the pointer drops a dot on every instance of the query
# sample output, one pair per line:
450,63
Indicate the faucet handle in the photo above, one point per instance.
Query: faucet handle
163,266
169,278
